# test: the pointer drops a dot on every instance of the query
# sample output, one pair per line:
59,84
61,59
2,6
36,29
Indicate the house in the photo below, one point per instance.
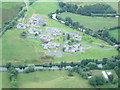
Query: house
54,31
34,31
51,45
75,36
73,48
46,37
37,21
22,26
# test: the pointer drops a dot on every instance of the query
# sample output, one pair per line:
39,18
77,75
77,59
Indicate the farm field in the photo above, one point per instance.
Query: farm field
51,79
10,10
92,53
17,49
4,80
94,23
115,33
55,79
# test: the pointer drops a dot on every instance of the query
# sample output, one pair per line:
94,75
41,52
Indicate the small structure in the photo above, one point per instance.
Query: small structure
34,31
102,46
54,31
37,21
46,37
100,65
22,26
109,73
73,48
31,37
51,45
105,75
75,36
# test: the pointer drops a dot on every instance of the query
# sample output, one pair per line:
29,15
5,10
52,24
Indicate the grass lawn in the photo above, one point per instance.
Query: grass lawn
51,79
94,23
16,49
114,33
92,53
4,80
10,10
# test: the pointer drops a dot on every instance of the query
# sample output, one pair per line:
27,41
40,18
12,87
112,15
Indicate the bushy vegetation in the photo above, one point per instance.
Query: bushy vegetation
12,75
97,80
87,10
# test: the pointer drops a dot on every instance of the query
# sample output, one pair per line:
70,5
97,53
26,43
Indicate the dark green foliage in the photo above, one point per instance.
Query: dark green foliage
29,69
97,80
96,9
88,10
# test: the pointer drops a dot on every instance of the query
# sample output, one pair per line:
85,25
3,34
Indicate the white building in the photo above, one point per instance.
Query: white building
46,37
34,31
105,75
73,48
75,36
54,31
51,45
22,26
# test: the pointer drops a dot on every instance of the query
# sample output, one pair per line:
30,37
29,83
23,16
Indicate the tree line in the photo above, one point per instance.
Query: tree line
100,34
88,10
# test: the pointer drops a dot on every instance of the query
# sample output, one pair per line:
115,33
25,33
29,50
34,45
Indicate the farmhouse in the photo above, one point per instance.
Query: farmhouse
51,45
37,21
54,31
34,31
75,36
22,26
73,48
46,37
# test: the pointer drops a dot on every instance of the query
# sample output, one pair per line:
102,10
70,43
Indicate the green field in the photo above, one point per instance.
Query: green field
94,23
18,49
51,79
10,10
4,80
92,53
55,79
114,33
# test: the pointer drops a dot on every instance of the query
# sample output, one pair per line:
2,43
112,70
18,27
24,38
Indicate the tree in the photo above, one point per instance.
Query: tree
30,69
68,37
92,65
97,80
92,81
68,19
61,4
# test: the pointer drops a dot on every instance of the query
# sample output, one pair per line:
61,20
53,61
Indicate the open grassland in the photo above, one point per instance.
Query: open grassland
51,79
94,23
55,79
4,80
17,49
92,53
10,10
115,33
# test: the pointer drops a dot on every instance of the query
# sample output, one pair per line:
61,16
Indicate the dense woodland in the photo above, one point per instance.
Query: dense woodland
88,10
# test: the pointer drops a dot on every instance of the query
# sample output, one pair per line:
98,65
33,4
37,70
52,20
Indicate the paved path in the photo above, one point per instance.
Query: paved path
26,11
38,68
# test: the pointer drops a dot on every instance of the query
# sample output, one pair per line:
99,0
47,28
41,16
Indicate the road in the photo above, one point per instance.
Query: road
37,68
26,11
